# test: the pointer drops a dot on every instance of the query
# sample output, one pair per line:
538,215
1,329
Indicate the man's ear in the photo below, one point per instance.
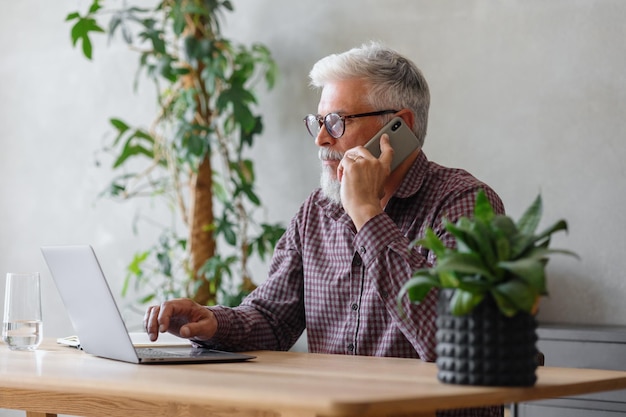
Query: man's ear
408,117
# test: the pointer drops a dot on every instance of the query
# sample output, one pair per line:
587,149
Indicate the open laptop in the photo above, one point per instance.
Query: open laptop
97,319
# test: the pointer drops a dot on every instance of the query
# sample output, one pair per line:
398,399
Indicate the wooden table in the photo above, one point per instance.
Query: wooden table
63,380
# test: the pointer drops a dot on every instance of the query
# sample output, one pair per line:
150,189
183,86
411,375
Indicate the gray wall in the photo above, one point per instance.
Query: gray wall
528,95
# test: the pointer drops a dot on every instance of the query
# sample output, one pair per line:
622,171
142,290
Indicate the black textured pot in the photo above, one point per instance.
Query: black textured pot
485,347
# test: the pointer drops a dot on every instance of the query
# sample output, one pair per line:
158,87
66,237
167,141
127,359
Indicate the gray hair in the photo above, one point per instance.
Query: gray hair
395,82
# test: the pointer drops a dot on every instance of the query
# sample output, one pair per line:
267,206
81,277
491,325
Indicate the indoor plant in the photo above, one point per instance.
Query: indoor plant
495,272
193,158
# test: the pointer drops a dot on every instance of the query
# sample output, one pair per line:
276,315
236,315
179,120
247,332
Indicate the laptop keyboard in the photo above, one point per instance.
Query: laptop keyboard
191,354
157,353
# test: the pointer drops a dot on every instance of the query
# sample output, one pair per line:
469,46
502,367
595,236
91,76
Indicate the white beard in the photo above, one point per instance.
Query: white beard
331,187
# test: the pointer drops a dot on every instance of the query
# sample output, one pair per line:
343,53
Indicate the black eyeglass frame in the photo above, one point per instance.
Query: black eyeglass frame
325,121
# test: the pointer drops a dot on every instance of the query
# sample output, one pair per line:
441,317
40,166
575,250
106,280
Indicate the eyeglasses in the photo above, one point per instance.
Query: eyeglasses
335,124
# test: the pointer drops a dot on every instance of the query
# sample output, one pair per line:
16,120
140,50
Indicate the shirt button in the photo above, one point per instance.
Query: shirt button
350,347
385,294
355,306
362,249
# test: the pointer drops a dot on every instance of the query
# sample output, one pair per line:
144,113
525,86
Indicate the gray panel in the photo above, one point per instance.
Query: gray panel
533,410
584,346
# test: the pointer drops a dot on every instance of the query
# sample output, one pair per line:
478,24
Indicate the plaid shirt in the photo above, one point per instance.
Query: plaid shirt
341,285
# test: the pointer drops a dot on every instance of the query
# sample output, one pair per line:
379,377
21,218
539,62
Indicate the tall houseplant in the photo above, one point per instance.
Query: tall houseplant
490,285
194,155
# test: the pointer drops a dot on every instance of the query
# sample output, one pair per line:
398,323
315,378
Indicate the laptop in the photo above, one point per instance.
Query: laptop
97,319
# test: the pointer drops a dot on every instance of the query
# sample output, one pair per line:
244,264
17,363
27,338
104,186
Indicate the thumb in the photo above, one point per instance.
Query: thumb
202,330
386,151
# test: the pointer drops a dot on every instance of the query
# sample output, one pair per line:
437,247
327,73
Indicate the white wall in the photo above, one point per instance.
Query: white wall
528,95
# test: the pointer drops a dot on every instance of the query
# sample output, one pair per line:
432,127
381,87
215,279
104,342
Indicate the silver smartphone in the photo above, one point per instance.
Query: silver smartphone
402,140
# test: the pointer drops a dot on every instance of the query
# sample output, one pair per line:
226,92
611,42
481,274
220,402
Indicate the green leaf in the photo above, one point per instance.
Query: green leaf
147,299
482,208
226,229
121,128
165,68
191,47
244,117
463,302
264,56
245,169
474,283
418,287
520,244
80,32
503,248
196,146
448,279
178,23
541,252
72,16
504,224
219,191
165,263
465,236
128,152
505,306
431,242
217,267
527,224
485,239
87,48
135,266
530,270
248,136
133,146
117,21
254,199
558,226
503,229
155,36
464,263
518,295
237,95
95,6
228,5
266,240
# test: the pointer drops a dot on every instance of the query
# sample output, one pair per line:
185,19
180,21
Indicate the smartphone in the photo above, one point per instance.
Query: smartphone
402,140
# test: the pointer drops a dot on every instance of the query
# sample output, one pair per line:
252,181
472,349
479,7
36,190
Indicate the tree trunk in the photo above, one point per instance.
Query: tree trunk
202,242
202,245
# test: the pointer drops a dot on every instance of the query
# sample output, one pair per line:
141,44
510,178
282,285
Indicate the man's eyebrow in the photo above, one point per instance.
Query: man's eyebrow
338,111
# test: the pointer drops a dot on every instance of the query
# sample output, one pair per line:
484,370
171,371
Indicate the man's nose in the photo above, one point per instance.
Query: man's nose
323,138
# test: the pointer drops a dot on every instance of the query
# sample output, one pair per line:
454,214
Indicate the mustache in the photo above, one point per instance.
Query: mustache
327,154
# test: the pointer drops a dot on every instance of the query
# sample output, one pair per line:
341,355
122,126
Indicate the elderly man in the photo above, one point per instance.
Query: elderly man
347,251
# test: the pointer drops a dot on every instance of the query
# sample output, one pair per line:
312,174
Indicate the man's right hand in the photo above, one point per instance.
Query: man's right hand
182,317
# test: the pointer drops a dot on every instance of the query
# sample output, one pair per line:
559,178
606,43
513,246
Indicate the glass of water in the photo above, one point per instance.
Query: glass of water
22,324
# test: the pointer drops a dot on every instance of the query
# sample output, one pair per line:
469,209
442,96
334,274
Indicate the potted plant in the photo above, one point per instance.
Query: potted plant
489,288
193,159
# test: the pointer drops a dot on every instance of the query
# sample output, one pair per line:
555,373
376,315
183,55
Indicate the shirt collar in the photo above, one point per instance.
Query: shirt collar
414,178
